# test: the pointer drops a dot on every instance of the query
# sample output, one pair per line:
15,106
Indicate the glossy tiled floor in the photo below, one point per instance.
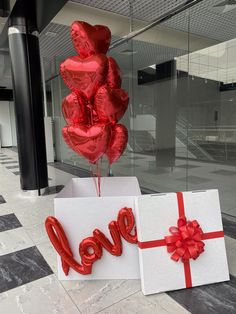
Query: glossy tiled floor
28,273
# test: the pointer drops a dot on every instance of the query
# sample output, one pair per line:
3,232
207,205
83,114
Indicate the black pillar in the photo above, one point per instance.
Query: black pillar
28,97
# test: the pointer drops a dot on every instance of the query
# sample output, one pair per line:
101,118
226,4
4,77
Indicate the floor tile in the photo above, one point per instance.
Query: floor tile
92,296
21,267
5,158
194,179
8,162
231,254
33,214
130,165
136,158
156,171
49,253
71,169
45,295
229,224
14,240
2,200
8,222
225,173
13,167
53,189
140,304
37,233
187,166
217,298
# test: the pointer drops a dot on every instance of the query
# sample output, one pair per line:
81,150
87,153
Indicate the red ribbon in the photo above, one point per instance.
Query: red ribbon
185,241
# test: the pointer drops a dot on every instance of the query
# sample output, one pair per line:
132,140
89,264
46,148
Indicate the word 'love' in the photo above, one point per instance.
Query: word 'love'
91,248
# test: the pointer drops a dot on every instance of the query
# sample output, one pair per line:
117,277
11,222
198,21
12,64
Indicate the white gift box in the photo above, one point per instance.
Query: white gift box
80,211
155,214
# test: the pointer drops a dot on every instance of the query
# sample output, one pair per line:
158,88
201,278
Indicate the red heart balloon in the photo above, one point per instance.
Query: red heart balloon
89,141
89,40
74,109
84,76
110,104
117,145
114,74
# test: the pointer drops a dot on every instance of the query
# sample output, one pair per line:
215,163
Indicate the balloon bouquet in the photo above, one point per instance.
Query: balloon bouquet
96,102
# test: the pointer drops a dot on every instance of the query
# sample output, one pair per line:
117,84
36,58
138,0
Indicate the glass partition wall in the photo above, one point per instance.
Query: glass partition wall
181,118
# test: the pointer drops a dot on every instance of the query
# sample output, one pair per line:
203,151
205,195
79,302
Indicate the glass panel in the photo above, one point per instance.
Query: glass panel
181,79
156,117
157,149
212,110
13,123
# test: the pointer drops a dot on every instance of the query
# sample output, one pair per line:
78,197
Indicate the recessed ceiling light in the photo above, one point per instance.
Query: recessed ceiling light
51,34
153,66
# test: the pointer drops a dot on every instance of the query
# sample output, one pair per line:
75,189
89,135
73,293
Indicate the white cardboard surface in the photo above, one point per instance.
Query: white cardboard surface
154,215
80,211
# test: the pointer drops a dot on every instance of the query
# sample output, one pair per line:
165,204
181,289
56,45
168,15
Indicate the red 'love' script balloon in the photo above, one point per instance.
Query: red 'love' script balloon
89,141
89,40
85,76
110,104
74,109
117,145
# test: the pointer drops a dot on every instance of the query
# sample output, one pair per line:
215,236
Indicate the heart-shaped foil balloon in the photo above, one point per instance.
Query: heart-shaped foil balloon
89,40
84,76
117,145
110,104
89,141
74,109
114,74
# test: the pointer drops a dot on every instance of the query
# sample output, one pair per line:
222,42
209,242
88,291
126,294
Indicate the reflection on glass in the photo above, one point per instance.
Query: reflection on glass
181,78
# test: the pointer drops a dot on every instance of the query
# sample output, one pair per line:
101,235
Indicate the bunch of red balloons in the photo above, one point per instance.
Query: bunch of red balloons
96,102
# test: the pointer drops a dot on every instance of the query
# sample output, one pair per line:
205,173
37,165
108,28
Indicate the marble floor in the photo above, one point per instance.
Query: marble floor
28,271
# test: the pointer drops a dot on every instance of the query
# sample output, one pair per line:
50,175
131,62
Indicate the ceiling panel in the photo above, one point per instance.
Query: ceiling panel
206,18
146,10
60,46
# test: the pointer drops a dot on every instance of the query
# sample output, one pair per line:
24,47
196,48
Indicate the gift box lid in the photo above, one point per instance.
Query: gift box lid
157,217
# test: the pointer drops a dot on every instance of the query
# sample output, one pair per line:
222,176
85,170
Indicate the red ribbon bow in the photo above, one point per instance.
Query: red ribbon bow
185,242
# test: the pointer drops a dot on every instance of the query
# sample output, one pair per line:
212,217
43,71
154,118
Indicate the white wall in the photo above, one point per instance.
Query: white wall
13,123
49,138
5,124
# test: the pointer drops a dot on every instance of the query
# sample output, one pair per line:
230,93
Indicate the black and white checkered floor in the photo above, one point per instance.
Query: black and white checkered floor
28,274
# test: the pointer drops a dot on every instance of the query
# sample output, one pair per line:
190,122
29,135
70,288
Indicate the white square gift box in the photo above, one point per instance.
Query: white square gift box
200,236
79,210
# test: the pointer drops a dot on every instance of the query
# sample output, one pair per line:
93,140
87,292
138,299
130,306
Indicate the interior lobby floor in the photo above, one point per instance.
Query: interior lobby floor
28,271
187,174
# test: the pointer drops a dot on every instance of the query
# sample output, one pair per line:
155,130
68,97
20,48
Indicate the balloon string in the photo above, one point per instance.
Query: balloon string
99,177
93,173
